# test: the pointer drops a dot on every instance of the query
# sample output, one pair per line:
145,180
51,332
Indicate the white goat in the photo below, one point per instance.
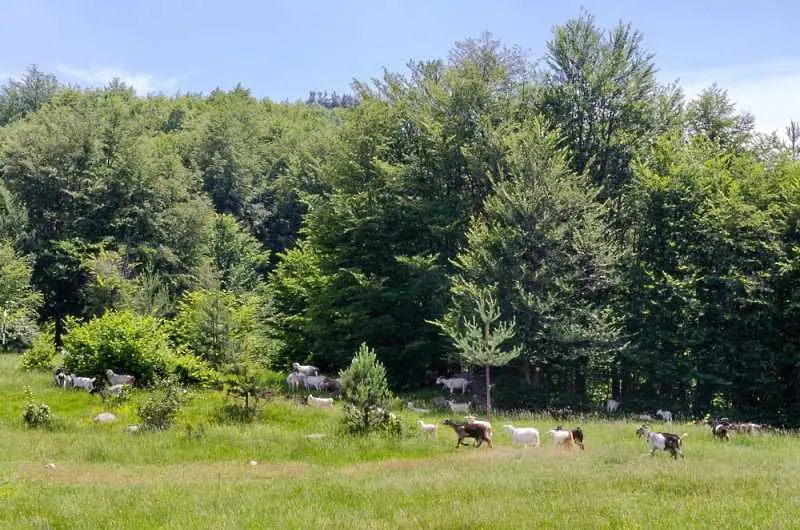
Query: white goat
82,382
314,381
429,429
113,390
523,435
458,407
612,405
320,402
453,382
665,415
295,379
305,369
118,379
471,419
644,417
417,410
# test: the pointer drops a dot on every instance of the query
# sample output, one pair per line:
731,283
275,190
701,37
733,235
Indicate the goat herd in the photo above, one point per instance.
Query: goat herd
116,382
480,431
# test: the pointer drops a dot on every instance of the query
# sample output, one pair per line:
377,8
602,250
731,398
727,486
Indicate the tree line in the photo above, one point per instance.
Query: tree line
640,245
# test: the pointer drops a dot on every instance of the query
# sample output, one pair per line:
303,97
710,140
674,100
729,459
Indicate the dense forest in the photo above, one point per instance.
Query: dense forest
640,245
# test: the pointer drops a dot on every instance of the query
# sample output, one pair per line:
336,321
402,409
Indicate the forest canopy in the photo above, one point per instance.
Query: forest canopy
645,246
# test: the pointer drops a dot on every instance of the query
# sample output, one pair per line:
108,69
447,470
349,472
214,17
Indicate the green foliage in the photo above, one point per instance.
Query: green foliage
221,328
478,342
600,90
237,256
158,412
35,415
20,97
109,286
365,389
189,370
242,382
121,341
40,355
19,301
13,219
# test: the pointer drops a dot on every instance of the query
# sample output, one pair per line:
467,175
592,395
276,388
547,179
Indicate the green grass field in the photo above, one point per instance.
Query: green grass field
105,477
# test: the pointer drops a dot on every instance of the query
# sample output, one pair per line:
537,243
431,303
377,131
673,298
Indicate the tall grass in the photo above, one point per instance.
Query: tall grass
199,475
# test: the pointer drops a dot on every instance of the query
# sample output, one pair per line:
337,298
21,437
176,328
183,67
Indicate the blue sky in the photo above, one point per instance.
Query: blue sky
281,50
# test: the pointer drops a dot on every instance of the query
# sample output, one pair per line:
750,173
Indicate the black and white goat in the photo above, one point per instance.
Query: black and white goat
720,428
661,440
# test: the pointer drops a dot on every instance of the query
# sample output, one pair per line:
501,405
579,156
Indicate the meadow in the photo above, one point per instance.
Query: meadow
200,474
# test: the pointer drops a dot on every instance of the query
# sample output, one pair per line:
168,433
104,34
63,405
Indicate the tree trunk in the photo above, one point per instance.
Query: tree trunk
580,379
488,394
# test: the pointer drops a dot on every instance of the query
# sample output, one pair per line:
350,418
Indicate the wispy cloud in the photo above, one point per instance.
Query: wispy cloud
142,83
768,90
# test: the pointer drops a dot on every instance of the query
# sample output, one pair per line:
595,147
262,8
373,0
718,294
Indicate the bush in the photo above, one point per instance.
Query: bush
40,355
35,415
365,388
189,370
158,412
122,341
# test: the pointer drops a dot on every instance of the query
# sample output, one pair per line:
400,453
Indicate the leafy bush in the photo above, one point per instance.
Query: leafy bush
122,341
41,353
35,415
189,370
158,412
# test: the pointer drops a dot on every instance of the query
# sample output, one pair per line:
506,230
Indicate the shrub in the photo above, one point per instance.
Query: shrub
158,412
35,415
244,384
365,388
122,341
41,353
189,370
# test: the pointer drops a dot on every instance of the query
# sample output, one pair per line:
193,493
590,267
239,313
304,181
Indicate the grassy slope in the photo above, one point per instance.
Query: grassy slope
108,478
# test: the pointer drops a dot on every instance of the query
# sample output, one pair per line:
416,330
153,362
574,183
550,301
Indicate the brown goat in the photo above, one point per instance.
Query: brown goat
476,431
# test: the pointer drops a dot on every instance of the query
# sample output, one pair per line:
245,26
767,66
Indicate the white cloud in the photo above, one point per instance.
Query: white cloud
142,83
769,90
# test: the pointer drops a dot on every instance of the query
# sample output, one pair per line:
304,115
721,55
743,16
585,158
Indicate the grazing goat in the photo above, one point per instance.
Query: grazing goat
720,429
469,430
314,381
453,383
661,440
458,407
612,405
119,379
644,417
305,369
747,428
319,402
295,379
113,390
332,385
429,429
82,382
471,419
577,436
664,415
561,437
61,378
523,435
412,408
